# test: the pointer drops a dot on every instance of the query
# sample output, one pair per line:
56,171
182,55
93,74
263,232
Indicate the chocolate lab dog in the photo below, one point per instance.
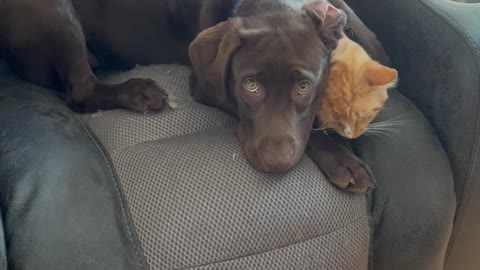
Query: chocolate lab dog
264,61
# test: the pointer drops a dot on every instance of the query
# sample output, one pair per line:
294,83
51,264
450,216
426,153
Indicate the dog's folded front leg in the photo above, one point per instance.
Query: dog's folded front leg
89,95
45,44
340,166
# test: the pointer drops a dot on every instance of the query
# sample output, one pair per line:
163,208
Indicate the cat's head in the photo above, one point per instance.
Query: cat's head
356,91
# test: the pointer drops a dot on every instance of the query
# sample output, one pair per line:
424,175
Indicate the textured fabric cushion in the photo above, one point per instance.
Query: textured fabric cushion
440,72
197,204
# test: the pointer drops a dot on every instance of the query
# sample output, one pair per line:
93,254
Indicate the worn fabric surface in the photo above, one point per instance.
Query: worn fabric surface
190,186
413,205
440,73
3,248
406,218
61,207
197,204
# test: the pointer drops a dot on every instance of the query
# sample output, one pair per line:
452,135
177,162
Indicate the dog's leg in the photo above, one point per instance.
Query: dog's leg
340,166
46,42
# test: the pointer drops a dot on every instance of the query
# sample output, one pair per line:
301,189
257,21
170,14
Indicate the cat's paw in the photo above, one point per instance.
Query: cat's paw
350,173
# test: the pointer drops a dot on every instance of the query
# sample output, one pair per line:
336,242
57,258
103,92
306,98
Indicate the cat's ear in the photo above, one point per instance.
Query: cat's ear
379,75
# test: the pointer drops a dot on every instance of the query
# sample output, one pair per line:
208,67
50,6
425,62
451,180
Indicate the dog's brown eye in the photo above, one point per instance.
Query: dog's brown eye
304,87
251,85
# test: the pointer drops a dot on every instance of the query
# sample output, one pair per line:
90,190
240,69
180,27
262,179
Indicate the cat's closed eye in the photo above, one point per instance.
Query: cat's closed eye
362,116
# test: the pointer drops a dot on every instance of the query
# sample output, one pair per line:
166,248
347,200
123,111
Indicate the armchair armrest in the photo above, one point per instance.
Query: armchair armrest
435,45
3,249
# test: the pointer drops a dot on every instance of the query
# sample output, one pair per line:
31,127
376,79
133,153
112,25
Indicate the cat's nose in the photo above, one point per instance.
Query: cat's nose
348,132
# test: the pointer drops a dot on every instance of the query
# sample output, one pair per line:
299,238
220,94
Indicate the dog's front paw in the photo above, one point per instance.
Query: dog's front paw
339,164
349,173
143,95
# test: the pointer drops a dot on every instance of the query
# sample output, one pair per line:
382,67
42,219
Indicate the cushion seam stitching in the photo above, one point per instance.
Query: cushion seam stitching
118,192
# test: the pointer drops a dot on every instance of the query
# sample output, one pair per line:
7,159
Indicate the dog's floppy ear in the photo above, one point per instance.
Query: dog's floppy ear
210,54
330,21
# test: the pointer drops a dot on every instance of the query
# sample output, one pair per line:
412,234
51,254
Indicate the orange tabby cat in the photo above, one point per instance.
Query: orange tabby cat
356,90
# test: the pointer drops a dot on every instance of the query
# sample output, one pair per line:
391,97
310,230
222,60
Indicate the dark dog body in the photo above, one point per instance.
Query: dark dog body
49,41
116,33
282,45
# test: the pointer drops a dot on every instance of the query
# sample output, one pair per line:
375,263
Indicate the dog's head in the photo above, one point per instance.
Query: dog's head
270,72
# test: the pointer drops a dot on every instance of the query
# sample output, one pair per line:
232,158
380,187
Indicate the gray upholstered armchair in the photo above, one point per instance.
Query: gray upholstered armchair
171,190
435,44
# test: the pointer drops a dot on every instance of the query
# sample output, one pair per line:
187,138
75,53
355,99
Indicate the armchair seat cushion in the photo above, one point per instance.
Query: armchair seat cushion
197,204
185,198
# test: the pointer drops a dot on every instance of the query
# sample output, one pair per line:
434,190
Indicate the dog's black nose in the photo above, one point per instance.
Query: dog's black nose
277,155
